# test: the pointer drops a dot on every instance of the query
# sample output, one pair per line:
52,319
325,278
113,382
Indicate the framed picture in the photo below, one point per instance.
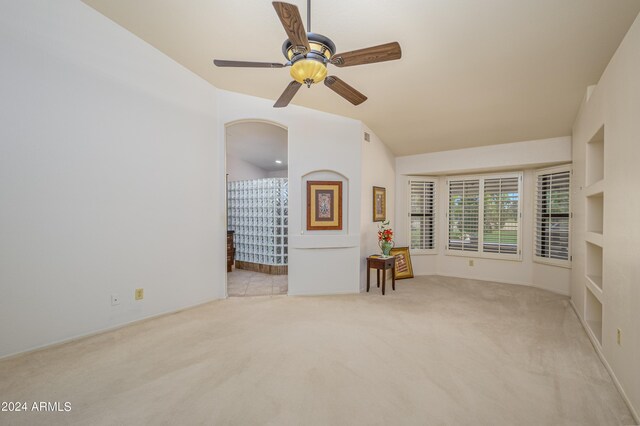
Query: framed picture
403,262
324,205
379,204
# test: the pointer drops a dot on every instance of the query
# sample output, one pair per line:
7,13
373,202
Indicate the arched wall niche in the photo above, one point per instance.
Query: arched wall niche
325,175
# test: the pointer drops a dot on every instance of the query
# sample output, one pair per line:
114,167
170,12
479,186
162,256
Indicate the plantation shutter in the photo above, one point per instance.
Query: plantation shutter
552,215
501,215
422,214
464,198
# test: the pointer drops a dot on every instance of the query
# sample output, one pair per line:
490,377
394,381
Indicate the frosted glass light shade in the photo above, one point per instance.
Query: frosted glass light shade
308,71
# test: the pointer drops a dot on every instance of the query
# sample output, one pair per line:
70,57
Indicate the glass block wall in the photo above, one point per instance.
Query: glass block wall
258,213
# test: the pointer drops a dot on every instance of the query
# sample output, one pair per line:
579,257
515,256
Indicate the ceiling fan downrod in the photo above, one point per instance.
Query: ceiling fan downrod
309,16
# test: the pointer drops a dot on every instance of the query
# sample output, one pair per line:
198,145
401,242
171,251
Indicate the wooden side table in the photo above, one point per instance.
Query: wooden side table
381,264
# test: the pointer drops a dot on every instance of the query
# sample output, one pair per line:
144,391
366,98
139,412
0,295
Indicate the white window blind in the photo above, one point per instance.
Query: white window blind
422,214
553,215
484,215
464,204
501,215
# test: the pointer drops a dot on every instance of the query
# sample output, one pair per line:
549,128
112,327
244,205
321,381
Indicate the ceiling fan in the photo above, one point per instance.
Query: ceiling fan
308,55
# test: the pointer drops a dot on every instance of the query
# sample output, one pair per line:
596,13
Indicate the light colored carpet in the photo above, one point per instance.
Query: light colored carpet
248,283
436,351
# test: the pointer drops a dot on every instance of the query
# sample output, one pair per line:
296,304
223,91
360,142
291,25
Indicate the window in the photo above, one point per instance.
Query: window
501,214
553,215
484,216
464,202
422,214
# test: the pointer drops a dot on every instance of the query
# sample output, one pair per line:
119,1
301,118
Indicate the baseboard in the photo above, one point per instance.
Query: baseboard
103,330
604,361
502,281
337,293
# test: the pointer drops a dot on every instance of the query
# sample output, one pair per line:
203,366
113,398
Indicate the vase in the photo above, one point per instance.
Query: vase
386,247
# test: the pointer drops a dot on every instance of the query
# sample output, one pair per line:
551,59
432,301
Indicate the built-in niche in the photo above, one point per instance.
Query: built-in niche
594,264
595,213
325,176
595,158
593,314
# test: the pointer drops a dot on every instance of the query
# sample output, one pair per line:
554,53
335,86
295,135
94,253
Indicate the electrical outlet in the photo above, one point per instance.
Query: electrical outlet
619,337
139,293
470,262
115,300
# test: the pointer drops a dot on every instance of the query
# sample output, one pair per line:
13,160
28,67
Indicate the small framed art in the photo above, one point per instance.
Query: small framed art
403,262
379,204
324,205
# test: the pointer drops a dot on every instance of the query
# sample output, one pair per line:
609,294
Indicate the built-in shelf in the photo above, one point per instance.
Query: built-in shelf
595,158
595,238
594,283
595,213
595,188
593,314
594,264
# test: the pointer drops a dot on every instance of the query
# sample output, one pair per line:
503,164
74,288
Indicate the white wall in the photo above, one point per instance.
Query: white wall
110,177
278,174
319,263
239,169
378,169
615,102
515,156
522,155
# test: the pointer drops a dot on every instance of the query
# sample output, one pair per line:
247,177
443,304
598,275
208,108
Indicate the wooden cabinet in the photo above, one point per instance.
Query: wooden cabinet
231,251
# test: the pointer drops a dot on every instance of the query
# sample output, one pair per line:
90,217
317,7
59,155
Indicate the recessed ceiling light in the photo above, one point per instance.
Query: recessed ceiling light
278,161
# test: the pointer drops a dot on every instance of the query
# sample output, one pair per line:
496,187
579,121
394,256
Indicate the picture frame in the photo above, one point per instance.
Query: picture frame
404,269
379,204
324,205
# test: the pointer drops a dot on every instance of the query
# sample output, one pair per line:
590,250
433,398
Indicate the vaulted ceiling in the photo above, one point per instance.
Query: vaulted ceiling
473,72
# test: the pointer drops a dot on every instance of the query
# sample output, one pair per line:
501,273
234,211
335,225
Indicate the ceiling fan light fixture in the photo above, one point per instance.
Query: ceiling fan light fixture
309,67
309,53
308,71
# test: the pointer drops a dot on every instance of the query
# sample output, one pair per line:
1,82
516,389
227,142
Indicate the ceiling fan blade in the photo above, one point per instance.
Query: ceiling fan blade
287,95
370,55
293,25
246,64
344,90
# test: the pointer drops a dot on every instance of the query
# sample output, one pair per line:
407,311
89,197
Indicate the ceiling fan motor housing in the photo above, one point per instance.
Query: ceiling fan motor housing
309,67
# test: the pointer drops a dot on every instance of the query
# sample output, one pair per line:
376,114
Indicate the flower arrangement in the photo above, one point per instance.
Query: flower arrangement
385,233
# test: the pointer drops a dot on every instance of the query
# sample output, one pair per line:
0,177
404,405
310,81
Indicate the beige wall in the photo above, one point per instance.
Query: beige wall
108,177
378,169
317,155
517,156
615,102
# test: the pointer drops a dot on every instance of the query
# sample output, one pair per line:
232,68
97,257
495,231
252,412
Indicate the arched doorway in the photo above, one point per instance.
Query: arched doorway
257,208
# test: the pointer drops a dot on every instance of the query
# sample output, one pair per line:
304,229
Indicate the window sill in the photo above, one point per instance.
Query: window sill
415,252
558,263
476,255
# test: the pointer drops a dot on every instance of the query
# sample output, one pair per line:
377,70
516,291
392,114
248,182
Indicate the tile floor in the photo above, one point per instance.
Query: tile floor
249,283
